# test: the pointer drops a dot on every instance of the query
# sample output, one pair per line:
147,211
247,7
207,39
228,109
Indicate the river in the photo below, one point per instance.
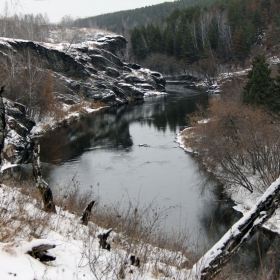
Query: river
104,152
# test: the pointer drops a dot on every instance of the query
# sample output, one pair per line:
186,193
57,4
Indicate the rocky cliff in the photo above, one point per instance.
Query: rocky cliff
94,70
17,141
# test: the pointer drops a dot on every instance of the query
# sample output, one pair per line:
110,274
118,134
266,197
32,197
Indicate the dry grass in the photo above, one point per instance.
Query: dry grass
15,219
134,231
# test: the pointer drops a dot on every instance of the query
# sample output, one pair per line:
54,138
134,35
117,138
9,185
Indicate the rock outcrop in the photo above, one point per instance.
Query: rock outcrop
93,69
17,141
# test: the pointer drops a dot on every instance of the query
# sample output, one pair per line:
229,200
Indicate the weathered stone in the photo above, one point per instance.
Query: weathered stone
126,69
111,57
131,91
91,69
145,86
69,99
158,78
18,145
100,62
134,66
133,79
112,72
115,44
55,60
18,112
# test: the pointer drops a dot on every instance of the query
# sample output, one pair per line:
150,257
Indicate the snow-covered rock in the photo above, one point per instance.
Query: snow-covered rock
17,141
90,68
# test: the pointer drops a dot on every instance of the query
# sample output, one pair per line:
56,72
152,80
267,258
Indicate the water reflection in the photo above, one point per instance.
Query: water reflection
110,128
102,150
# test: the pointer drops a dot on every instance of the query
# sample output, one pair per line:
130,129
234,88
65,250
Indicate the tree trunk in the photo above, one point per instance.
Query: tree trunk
223,251
86,214
41,184
2,123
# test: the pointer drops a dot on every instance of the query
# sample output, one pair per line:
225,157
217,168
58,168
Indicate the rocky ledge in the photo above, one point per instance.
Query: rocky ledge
17,126
94,70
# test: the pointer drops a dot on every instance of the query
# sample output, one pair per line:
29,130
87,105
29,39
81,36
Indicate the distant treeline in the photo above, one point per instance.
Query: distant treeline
123,20
226,31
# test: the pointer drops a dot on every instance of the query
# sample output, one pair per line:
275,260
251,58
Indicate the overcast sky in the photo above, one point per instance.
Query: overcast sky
56,9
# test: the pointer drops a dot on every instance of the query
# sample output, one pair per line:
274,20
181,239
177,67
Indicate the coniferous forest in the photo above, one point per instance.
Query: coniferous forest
190,31
227,31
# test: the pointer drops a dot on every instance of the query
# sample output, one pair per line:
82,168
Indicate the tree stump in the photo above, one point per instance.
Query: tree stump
86,214
103,240
41,184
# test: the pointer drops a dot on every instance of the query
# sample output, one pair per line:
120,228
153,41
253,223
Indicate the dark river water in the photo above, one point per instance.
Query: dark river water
102,153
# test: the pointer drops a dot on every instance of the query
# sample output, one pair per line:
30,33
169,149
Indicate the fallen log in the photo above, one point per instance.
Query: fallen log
41,184
38,249
223,251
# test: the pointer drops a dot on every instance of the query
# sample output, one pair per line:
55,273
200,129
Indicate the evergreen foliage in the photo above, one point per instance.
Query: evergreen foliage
259,87
124,20
190,30
228,29
275,104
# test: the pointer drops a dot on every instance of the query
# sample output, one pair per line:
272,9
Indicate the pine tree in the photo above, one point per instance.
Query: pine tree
239,45
275,105
259,87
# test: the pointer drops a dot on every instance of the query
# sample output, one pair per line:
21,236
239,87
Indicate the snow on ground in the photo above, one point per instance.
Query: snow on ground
243,198
51,123
245,201
180,139
78,254
154,93
82,34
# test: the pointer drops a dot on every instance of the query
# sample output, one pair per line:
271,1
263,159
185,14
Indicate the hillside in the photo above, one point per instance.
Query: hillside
119,21
201,39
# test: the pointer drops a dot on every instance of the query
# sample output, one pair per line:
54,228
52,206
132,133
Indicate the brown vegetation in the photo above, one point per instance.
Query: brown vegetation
239,144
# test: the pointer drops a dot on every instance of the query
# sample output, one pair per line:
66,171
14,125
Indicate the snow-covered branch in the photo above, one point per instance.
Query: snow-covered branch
212,262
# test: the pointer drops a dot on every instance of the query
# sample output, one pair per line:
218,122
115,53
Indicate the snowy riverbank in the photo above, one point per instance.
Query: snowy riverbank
77,251
243,199
52,123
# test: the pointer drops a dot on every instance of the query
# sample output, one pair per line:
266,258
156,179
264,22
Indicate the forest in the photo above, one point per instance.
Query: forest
226,32
125,20
236,136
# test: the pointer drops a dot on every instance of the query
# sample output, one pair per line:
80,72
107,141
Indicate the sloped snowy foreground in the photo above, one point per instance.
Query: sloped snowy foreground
79,256
77,251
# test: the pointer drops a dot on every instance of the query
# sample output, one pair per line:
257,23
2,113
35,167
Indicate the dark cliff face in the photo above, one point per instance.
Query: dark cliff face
93,69
17,143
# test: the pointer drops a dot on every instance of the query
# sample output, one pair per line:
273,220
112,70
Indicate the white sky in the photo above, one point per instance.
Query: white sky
56,9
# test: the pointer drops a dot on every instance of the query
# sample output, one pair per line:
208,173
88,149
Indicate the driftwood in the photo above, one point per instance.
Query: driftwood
41,184
41,252
103,240
217,257
86,214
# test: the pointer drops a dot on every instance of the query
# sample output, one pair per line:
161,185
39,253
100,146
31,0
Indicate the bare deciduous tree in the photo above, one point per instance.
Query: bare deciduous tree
239,144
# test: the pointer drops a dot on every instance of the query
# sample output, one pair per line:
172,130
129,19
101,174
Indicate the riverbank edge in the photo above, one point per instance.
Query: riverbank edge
40,128
243,199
